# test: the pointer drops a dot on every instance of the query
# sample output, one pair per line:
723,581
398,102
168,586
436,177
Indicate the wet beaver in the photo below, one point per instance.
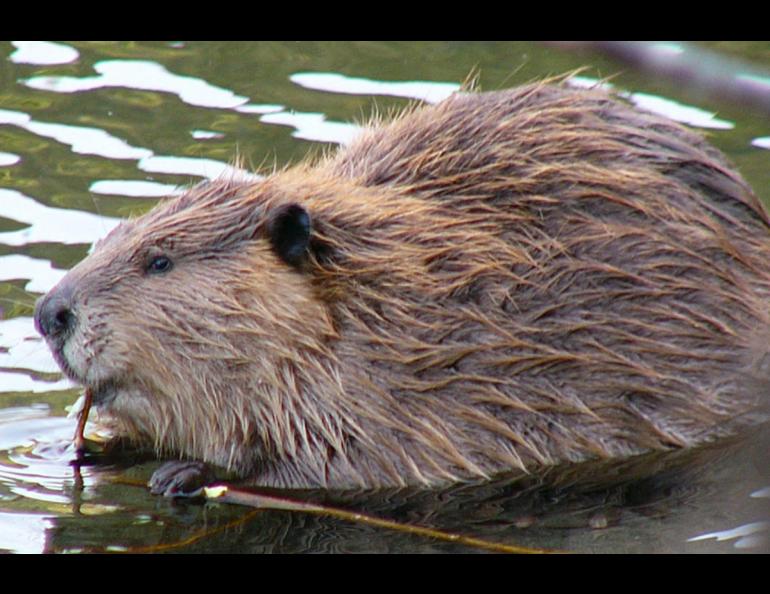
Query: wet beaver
503,281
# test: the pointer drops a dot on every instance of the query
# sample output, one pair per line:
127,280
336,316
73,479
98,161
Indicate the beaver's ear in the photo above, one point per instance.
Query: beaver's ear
289,233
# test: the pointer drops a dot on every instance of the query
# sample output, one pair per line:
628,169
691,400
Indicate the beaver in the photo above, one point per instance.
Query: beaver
501,282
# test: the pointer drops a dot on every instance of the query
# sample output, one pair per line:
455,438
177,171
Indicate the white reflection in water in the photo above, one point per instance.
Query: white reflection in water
94,141
133,188
41,276
24,533
7,159
667,49
206,168
43,478
686,114
144,75
37,454
151,76
22,427
258,108
50,224
587,82
746,536
82,139
21,348
39,451
431,92
42,53
23,353
205,134
313,126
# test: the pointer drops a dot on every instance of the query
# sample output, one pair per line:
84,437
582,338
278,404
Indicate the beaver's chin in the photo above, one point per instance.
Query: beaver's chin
105,393
104,390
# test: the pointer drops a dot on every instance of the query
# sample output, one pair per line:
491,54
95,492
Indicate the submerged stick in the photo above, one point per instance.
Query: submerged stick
227,494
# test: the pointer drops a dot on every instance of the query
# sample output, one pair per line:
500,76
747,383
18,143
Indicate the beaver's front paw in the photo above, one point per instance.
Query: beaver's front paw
181,478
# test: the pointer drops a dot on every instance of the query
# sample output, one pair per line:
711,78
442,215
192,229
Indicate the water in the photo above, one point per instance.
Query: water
94,132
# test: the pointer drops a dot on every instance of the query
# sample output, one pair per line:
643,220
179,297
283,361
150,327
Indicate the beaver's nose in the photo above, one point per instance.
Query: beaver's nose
53,312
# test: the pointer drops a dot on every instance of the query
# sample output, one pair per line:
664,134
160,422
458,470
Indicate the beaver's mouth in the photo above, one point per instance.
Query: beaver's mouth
103,391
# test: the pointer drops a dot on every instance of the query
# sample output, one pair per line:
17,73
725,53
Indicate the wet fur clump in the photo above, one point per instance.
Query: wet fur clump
504,281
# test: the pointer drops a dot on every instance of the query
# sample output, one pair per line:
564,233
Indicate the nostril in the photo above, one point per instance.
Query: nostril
53,316
61,321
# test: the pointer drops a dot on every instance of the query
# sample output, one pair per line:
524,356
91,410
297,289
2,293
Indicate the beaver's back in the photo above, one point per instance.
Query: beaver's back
588,280
539,139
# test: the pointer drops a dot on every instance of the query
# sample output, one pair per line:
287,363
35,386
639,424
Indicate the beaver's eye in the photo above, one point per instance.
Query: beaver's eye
159,265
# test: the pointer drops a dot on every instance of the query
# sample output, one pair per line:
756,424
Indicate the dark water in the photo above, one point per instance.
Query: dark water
92,132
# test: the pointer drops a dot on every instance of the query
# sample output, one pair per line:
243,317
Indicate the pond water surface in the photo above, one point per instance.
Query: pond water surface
94,132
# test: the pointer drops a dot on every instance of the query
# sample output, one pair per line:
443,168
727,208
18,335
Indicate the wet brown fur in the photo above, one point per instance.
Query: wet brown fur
504,281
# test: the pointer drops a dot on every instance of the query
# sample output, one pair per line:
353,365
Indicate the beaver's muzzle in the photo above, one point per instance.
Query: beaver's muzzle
54,317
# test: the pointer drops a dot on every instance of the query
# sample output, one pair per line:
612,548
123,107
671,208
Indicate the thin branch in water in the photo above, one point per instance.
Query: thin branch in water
228,494
79,439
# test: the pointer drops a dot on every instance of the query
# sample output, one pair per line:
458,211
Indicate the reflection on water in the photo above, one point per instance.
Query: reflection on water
134,188
36,475
313,126
205,134
81,139
146,76
91,133
42,53
338,83
748,536
24,533
36,452
46,224
23,356
7,159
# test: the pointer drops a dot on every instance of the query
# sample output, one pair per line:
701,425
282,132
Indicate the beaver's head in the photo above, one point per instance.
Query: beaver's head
177,318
